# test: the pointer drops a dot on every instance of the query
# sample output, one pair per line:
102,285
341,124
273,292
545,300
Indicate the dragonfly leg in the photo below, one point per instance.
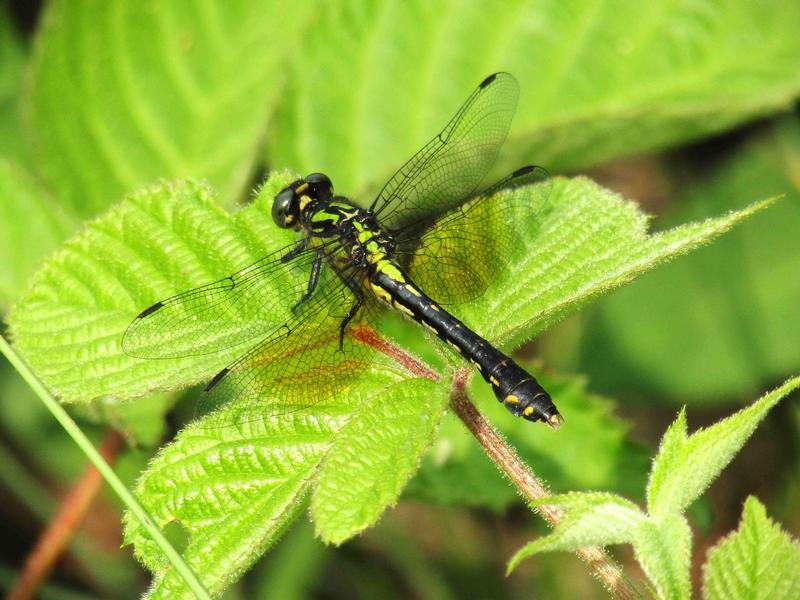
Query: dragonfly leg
294,252
312,282
359,294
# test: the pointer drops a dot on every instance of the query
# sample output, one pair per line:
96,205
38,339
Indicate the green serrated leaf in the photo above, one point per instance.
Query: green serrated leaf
588,242
126,92
591,519
233,485
31,225
596,83
373,457
663,547
160,241
742,291
172,237
758,561
686,466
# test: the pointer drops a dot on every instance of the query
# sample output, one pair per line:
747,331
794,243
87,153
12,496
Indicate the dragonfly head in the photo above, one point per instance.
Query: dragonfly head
294,199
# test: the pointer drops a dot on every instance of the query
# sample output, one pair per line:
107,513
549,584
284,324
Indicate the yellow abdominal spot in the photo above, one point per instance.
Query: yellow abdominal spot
511,399
404,309
381,293
528,411
494,382
413,290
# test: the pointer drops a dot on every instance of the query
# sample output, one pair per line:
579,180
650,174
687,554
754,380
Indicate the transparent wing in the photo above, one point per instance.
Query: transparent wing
225,313
300,363
452,165
456,259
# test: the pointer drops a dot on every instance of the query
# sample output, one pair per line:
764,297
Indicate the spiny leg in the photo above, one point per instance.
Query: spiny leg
359,294
312,282
294,252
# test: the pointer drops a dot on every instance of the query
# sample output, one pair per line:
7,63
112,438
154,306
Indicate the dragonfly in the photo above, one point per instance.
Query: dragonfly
296,308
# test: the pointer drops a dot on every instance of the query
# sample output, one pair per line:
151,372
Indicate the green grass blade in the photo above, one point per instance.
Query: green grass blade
136,509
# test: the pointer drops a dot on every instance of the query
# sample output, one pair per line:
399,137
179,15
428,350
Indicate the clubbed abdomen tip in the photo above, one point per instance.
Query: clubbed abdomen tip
554,421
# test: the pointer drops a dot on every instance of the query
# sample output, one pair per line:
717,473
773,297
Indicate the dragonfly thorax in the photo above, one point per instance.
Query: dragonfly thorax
308,205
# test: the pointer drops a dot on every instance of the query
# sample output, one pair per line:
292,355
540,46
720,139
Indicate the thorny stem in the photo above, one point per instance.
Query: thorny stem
54,540
504,457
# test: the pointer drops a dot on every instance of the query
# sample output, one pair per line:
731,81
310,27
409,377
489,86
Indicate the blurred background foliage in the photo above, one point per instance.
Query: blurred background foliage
688,108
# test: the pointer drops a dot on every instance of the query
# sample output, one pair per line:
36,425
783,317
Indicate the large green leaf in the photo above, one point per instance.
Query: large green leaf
587,242
172,236
725,317
125,92
158,242
374,456
757,561
31,225
234,489
599,79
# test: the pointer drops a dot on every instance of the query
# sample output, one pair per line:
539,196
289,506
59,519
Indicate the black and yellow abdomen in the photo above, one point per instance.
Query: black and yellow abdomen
517,389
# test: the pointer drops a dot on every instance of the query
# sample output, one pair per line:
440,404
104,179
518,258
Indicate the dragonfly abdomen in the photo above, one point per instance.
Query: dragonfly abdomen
513,386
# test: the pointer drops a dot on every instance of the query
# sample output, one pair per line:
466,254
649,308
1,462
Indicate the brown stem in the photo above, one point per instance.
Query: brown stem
505,458
62,528
531,486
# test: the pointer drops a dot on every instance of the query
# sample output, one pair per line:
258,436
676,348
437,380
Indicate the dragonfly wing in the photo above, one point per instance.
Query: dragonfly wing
222,314
452,165
456,259
299,364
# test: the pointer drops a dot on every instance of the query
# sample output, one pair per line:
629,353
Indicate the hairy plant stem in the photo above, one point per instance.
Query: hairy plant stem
504,457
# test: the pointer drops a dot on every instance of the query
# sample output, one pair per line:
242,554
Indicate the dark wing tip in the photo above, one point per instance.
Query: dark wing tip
524,170
488,80
216,379
150,310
